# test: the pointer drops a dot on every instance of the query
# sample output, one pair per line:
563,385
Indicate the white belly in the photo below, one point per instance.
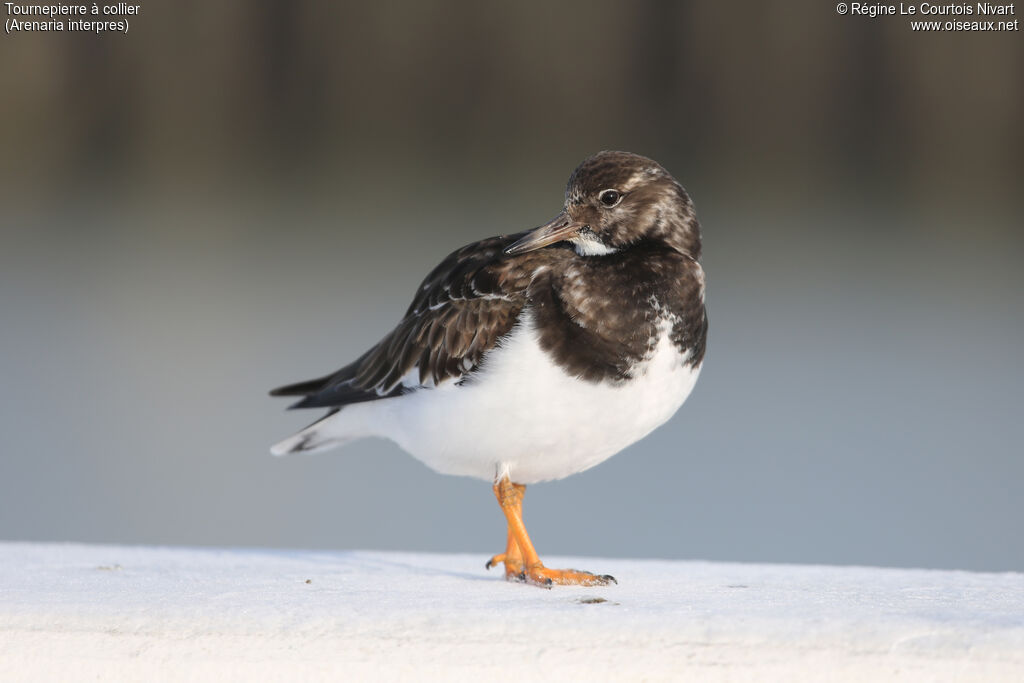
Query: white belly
525,413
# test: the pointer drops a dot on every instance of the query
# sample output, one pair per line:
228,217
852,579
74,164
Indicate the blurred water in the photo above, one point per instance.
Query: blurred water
860,401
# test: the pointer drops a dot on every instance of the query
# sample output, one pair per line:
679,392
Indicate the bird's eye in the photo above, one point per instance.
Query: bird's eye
609,197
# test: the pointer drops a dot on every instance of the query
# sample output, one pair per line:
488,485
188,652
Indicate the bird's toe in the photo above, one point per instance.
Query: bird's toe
545,578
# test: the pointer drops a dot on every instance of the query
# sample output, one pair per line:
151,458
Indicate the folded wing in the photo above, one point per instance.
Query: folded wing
464,306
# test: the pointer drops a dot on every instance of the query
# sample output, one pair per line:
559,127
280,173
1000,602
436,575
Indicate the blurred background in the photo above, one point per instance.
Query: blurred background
238,195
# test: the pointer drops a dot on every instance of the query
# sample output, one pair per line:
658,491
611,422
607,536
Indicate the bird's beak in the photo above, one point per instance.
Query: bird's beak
562,227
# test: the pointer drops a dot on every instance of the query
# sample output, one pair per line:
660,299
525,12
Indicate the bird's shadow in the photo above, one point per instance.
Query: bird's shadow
433,571
354,558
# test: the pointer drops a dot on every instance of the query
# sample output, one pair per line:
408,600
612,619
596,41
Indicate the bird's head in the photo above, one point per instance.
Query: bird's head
615,200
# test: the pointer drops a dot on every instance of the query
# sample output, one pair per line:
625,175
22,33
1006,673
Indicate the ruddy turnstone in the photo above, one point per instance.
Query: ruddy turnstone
529,357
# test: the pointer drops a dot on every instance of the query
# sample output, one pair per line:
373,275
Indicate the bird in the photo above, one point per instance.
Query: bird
529,357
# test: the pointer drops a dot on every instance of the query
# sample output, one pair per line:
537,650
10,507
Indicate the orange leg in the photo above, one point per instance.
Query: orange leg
512,558
520,558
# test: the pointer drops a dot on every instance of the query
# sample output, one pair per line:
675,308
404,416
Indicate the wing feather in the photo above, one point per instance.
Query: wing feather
460,311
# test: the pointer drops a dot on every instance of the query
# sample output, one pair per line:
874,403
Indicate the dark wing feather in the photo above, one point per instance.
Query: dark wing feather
464,306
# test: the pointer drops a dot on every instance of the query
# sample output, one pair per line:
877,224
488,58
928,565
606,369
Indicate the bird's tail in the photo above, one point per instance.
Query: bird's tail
328,432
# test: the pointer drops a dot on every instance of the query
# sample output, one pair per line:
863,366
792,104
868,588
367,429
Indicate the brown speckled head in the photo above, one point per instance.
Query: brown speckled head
623,199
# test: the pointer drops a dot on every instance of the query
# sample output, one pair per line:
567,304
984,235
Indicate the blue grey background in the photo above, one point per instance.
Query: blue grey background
232,197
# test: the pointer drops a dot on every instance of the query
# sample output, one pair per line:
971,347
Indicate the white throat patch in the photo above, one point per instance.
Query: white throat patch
588,245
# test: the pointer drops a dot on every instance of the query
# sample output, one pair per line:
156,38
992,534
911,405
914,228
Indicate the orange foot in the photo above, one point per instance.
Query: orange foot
542,576
520,558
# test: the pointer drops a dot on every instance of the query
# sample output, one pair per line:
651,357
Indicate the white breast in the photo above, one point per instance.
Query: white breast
524,412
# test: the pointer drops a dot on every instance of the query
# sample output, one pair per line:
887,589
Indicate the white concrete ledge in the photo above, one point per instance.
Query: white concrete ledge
76,612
